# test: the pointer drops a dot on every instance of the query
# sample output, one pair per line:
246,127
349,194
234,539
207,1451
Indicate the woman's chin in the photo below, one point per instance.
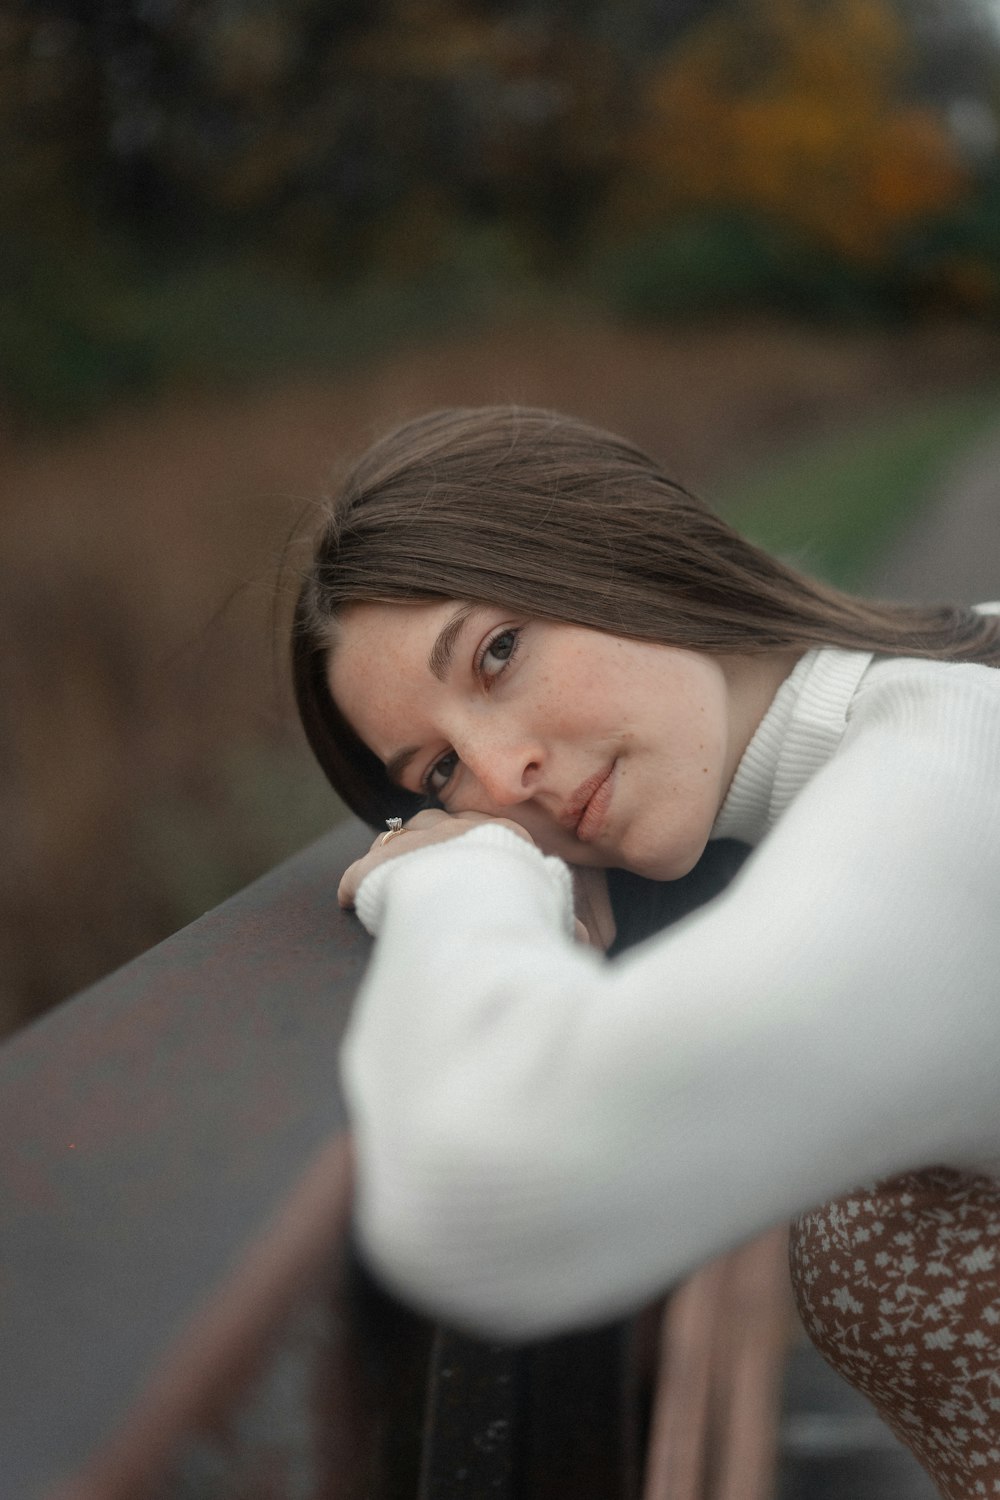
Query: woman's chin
658,862
664,863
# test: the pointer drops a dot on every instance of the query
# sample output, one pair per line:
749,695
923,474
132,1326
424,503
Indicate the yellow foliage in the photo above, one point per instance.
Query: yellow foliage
794,110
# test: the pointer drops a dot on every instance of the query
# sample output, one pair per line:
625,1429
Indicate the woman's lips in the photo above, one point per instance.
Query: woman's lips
596,805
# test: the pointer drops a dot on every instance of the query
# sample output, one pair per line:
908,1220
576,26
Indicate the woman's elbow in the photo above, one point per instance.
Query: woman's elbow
465,1231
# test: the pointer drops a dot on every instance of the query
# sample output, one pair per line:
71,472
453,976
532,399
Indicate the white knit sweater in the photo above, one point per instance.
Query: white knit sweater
545,1138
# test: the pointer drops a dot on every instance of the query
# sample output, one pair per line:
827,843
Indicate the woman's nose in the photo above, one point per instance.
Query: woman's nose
508,773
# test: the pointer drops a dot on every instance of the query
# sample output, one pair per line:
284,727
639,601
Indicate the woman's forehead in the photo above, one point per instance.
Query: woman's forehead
379,668
373,626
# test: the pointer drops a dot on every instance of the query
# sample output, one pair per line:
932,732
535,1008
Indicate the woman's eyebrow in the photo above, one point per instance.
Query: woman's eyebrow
439,658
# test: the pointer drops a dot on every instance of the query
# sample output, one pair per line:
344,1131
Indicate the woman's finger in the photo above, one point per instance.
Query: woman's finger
592,903
424,819
431,826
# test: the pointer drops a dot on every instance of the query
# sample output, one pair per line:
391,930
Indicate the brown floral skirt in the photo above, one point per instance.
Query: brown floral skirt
898,1285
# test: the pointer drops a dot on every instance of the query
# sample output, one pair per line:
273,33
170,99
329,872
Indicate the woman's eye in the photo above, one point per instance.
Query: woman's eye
441,773
498,653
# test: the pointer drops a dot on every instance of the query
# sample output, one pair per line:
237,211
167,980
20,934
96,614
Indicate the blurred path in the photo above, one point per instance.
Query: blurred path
833,1446
952,551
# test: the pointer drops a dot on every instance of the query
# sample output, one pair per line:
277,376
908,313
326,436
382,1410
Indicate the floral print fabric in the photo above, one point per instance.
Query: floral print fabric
898,1285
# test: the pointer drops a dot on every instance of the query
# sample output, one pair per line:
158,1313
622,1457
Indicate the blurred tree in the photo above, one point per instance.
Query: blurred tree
423,141
956,259
315,130
796,112
47,80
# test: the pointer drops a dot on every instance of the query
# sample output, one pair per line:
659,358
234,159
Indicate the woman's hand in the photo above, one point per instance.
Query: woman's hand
595,923
431,826
592,904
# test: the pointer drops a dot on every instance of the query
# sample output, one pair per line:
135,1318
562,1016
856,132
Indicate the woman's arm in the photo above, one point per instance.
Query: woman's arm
545,1139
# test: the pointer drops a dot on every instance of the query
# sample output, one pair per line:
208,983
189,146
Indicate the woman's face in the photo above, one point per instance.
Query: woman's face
609,751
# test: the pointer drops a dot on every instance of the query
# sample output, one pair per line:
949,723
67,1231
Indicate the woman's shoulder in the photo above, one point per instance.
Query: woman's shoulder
886,669
908,693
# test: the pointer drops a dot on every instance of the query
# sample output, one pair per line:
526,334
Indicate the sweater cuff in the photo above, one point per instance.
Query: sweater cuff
373,892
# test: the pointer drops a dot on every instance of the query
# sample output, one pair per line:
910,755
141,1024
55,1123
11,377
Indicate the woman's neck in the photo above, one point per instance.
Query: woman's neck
753,682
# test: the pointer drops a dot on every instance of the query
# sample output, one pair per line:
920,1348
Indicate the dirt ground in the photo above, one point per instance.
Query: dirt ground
149,756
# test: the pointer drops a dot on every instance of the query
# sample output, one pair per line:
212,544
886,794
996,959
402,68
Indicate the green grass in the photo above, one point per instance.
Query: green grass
88,325
835,506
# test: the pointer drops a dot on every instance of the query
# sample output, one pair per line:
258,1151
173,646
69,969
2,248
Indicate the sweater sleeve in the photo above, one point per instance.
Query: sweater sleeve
546,1139
370,900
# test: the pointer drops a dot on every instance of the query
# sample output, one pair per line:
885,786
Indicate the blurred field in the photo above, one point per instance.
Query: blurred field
151,762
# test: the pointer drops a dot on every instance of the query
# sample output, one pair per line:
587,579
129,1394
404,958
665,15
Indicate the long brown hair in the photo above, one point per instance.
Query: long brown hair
559,520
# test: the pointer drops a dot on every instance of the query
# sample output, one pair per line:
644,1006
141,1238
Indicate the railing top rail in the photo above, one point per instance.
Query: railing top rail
172,1158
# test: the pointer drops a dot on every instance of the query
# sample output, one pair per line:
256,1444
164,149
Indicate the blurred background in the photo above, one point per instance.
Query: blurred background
241,237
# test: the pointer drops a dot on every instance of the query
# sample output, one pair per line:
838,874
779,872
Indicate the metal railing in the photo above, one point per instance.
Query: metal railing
181,1317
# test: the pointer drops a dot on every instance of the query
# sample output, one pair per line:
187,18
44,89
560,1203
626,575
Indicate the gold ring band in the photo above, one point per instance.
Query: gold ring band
395,827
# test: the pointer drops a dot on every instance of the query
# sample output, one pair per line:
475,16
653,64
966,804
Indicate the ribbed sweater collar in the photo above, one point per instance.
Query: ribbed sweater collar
797,735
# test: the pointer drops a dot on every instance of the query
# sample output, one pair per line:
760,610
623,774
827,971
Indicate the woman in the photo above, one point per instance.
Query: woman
522,639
